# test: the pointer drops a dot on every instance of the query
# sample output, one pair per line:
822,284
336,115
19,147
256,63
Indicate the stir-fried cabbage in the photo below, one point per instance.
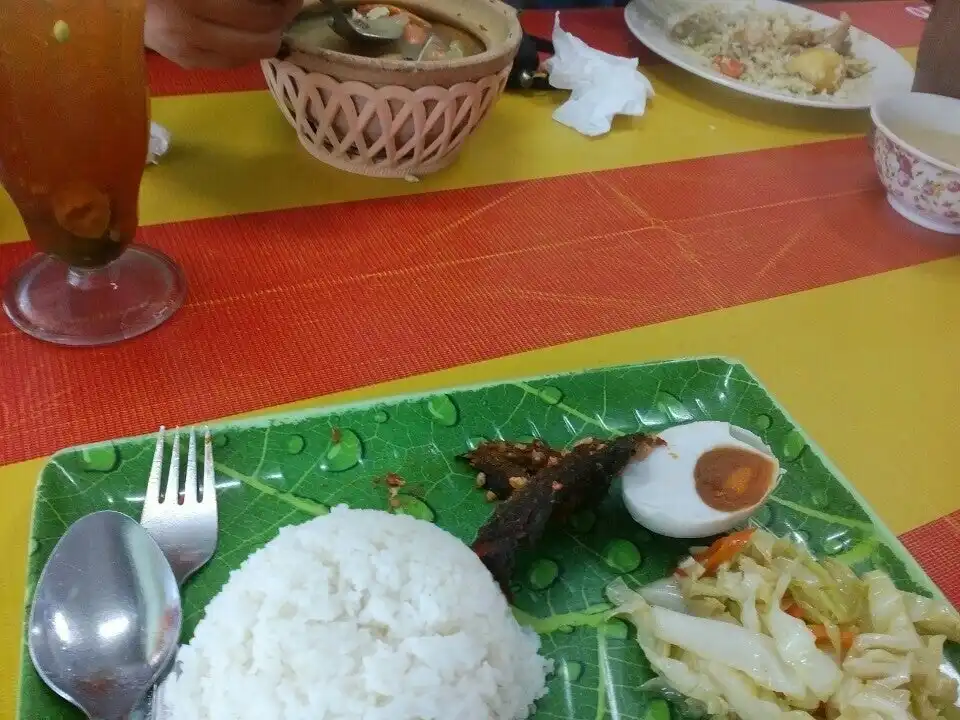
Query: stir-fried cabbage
771,633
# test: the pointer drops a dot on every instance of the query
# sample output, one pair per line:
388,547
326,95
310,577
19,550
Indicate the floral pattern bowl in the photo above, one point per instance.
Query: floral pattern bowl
922,188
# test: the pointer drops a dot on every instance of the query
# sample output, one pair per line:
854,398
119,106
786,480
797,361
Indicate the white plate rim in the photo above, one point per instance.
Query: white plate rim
895,72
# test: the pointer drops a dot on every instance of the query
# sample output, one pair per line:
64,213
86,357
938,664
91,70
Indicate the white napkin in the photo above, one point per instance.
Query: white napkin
603,85
159,143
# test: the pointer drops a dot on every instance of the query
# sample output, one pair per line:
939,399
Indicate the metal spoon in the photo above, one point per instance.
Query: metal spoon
106,615
366,32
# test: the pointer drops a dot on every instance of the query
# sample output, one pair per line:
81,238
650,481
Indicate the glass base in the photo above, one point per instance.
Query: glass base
52,301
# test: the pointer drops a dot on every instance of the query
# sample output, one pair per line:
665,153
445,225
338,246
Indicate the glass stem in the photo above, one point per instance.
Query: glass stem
88,278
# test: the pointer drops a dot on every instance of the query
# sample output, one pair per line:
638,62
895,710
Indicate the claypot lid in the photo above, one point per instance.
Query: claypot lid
494,22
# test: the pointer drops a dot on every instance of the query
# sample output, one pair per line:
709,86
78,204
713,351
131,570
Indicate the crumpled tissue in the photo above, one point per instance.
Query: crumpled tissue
603,85
159,143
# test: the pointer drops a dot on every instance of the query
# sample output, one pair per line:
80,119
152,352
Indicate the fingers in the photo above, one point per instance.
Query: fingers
192,41
252,16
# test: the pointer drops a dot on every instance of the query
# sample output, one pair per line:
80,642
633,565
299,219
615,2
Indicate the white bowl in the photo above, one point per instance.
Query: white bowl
923,189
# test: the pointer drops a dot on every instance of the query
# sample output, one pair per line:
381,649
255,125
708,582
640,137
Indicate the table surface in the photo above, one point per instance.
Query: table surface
715,224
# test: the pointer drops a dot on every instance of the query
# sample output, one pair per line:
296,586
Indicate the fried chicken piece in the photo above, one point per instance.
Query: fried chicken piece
803,38
693,28
586,481
503,467
516,524
579,479
838,38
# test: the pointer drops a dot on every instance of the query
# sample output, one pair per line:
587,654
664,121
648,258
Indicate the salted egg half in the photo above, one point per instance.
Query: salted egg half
709,477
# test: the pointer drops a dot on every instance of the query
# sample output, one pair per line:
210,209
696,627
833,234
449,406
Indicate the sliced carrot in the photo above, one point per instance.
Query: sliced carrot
724,550
846,636
793,609
731,67
414,34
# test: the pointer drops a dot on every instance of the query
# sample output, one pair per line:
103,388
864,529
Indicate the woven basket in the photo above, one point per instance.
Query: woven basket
393,118
342,123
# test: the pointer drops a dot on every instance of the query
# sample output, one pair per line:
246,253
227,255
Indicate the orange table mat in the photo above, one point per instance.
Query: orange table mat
304,302
935,546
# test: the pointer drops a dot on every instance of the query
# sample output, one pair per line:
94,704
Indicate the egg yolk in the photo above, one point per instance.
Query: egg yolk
731,478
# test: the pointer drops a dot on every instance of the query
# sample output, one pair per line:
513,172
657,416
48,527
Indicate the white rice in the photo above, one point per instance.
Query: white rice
360,614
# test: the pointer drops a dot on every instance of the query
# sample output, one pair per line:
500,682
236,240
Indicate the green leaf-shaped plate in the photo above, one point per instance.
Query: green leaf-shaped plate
286,469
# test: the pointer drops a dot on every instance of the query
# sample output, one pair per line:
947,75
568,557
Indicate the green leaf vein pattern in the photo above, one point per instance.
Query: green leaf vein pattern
289,469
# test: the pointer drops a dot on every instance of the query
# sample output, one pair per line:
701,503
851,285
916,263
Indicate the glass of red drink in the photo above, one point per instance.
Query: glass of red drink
74,132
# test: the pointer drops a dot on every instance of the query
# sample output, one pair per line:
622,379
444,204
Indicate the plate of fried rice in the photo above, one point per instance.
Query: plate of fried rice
773,50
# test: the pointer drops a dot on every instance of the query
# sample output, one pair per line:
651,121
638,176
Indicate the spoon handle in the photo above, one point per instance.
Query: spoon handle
151,706
341,23
145,709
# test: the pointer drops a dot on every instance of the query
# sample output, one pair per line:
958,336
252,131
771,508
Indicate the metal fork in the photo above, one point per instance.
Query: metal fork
186,531
185,527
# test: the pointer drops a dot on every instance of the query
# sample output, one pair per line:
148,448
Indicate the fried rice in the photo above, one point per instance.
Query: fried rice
759,47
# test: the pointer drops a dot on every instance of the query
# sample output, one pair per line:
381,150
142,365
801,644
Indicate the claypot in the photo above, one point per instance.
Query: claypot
397,118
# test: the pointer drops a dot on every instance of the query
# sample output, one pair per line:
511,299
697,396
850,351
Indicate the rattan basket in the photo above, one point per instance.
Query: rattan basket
393,118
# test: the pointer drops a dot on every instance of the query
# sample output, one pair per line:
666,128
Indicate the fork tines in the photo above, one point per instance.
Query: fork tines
171,489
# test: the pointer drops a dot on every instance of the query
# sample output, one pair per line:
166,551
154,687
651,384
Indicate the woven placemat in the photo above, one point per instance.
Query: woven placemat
938,60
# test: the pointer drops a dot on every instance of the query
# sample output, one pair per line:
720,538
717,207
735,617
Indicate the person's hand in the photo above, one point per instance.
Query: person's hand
217,33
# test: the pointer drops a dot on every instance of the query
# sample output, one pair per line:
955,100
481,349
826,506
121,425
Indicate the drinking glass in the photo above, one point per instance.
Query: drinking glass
74,131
